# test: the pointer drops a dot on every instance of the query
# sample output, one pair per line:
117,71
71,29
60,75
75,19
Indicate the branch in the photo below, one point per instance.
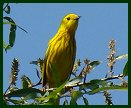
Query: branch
113,77
82,83
103,79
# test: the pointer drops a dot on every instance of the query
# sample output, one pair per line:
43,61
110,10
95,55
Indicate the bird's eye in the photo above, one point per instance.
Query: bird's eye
68,18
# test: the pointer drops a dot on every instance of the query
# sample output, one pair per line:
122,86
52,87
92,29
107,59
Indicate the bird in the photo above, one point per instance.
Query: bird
61,52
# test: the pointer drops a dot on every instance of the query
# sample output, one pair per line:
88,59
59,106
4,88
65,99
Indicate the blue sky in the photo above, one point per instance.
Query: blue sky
100,22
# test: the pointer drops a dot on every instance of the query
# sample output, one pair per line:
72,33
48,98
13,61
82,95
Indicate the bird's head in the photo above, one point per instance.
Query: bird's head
70,22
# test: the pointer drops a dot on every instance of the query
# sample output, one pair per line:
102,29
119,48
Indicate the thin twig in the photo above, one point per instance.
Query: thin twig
39,83
7,89
113,77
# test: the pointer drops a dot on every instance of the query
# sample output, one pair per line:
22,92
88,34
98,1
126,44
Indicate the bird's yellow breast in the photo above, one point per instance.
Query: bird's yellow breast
62,57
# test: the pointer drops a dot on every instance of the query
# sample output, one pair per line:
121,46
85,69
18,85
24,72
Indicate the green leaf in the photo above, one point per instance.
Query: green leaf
7,9
49,103
85,101
58,89
30,96
125,70
4,44
12,34
74,81
94,64
113,87
9,23
74,96
16,102
12,37
122,57
23,92
26,82
93,84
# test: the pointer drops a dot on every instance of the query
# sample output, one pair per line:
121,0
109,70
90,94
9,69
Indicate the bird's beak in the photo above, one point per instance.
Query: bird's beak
77,18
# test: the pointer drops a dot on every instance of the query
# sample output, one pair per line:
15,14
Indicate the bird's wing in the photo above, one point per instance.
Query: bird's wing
44,77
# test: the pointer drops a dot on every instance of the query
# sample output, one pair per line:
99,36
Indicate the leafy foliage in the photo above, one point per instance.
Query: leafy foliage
74,88
67,89
13,27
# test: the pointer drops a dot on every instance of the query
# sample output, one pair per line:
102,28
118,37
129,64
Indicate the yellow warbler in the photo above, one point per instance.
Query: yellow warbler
60,55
